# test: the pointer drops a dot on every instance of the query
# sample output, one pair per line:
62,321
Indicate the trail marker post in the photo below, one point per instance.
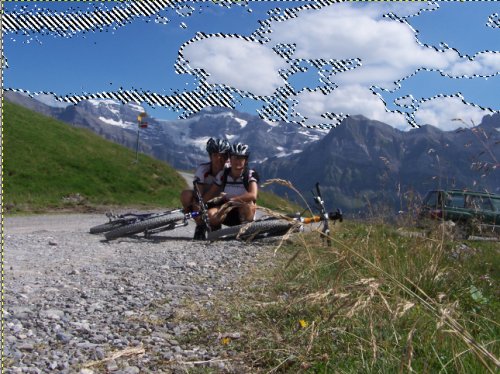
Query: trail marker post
141,124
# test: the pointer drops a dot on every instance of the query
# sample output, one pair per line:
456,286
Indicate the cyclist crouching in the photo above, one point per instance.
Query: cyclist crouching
204,178
238,188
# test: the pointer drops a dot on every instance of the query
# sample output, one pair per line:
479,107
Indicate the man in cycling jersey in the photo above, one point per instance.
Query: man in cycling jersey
204,177
239,184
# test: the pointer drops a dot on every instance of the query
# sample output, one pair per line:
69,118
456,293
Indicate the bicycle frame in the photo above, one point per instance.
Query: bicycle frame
203,212
265,227
323,217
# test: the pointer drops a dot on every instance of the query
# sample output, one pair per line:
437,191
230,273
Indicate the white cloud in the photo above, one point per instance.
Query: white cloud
485,63
352,100
237,63
388,49
439,112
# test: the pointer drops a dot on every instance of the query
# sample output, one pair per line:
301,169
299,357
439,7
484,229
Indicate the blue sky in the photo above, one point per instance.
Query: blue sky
343,58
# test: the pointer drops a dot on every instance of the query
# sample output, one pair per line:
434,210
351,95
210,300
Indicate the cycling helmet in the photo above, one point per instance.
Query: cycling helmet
239,149
217,146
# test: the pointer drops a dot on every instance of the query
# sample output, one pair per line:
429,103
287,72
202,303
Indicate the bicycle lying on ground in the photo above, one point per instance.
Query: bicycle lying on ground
281,225
152,223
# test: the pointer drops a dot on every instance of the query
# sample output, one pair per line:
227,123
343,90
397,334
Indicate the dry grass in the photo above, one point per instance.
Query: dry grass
374,302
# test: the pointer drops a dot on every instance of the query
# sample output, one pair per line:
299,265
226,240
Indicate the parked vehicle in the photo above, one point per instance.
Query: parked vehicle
472,211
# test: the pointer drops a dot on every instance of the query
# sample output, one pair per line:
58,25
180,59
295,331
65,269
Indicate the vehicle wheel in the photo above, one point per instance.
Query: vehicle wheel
257,229
107,227
147,224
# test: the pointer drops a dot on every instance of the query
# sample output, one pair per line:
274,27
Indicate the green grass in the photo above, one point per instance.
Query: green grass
274,202
375,302
46,160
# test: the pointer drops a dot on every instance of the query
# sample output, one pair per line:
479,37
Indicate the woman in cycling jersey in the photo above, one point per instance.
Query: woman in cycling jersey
240,187
204,177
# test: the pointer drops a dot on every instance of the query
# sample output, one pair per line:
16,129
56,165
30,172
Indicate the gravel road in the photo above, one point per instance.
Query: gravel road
75,303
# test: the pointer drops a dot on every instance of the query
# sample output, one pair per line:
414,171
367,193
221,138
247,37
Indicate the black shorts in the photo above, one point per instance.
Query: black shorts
232,218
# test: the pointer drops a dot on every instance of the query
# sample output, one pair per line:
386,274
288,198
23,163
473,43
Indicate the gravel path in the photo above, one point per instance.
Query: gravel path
77,304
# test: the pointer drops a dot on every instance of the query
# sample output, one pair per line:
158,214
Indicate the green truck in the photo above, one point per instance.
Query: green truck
473,211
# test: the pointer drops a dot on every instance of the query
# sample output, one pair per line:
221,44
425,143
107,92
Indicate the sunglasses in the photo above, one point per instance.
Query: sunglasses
221,155
239,157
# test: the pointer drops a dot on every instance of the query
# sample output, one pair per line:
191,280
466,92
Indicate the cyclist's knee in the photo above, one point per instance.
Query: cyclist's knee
212,216
247,212
186,197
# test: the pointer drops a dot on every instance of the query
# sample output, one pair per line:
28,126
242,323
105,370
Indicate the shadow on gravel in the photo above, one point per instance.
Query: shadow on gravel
162,239
151,239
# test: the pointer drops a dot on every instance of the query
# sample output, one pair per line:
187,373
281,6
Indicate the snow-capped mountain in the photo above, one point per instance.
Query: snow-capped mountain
364,163
180,142
357,163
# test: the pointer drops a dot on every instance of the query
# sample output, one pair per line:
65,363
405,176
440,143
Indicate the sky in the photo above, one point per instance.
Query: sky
311,63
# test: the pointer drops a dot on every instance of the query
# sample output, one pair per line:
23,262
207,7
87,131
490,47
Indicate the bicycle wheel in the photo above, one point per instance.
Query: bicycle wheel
107,226
147,224
257,229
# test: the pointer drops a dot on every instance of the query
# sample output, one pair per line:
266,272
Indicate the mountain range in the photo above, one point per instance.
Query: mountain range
364,164
361,164
179,142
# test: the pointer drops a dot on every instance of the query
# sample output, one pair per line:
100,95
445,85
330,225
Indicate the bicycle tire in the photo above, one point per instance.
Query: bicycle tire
150,223
256,229
108,226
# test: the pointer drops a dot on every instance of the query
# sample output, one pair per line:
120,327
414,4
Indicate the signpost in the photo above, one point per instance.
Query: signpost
141,124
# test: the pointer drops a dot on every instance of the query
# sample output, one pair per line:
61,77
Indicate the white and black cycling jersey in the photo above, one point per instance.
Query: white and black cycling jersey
202,174
234,187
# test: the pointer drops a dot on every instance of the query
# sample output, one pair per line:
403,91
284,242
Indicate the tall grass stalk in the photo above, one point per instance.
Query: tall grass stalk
374,302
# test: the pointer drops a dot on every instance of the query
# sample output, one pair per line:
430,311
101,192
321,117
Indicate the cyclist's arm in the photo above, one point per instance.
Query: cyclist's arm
248,197
211,192
202,187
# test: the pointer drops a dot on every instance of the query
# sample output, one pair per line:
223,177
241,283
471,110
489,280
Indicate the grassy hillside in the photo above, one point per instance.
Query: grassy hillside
47,161
49,165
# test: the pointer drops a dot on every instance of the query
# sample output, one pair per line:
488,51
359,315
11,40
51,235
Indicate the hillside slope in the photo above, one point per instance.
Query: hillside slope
47,162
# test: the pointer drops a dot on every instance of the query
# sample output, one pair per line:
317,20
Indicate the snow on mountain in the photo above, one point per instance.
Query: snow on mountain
110,105
271,123
242,122
120,123
136,107
182,142
99,102
284,153
315,136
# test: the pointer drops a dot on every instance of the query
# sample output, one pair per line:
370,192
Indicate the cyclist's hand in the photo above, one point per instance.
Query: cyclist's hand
219,200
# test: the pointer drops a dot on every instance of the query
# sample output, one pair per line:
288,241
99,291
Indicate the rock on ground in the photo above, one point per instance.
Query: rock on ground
76,303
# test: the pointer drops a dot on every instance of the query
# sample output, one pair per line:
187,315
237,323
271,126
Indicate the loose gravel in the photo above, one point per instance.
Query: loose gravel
75,303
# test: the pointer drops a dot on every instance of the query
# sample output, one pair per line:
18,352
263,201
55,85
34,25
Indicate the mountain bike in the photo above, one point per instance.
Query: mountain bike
273,226
151,223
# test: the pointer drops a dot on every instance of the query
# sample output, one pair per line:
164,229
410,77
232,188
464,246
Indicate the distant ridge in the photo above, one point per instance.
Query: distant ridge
360,163
364,163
